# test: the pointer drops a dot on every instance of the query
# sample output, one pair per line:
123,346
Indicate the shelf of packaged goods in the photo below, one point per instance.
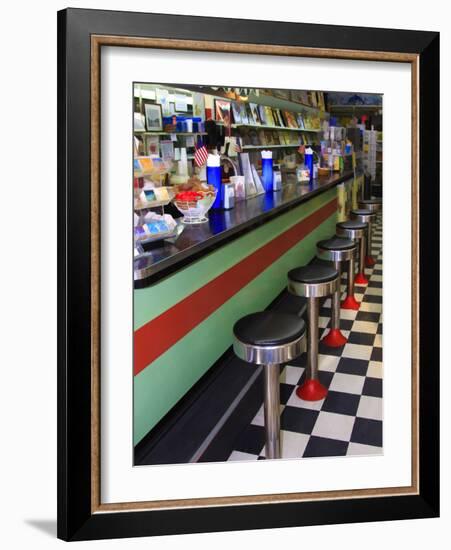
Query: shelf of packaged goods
247,147
144,133
267,127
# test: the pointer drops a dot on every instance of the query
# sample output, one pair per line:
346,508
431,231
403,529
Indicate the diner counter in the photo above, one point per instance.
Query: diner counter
225,225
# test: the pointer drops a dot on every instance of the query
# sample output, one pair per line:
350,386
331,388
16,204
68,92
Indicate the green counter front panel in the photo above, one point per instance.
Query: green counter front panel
159,386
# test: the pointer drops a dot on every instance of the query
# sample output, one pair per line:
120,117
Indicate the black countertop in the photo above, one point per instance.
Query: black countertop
225,225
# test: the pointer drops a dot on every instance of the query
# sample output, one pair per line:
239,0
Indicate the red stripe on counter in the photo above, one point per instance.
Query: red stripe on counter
158,335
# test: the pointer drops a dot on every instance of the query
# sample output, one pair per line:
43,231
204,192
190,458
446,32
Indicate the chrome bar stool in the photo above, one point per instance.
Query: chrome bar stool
364,215
313,282
270,338
337,250
355,230
373,205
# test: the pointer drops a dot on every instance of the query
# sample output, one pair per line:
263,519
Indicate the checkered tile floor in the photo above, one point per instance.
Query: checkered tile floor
349,420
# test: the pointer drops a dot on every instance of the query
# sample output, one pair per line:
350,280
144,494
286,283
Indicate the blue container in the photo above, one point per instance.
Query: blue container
308,158
214,178
267,175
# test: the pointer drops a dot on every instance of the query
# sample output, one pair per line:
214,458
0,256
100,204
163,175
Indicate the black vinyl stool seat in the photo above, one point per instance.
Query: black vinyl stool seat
360,213
352,225
367,216
270,338
269,328
313,281
338,250
336,243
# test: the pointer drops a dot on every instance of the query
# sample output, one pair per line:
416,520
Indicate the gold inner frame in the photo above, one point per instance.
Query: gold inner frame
97,41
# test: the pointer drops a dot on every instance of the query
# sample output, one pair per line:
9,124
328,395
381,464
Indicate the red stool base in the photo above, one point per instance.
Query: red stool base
360,279
334,338
350,303
369,261
311,390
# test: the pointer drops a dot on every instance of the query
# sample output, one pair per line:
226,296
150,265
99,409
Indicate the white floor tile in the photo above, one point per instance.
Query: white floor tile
369,306
376,278
334,426
327,303
347,383
291,374
295,401
349,314
292,445
378,341
375,369
365,326
374,291
238,455
323,322
370,407
328,363
363,450
356,351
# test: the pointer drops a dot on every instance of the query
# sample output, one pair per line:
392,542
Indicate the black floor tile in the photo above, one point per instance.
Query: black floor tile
324,376
376,354
367,432
362,338
321,446
296,419
300,361
371,316
372,387
352,366
250,440
379,329
285,392
372,298
327,350
346,324
375,284
341,403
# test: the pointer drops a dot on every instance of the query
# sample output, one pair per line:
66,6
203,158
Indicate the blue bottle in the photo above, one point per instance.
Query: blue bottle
214,178
267,171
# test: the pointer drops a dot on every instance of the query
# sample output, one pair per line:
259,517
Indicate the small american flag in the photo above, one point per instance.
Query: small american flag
201,154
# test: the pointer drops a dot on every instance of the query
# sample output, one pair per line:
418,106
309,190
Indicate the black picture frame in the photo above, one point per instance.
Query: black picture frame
76,518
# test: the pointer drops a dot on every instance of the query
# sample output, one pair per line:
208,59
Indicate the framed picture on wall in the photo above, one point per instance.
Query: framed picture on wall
222,111
154,117
164,426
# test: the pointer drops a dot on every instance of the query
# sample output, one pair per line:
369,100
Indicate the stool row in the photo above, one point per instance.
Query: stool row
270,338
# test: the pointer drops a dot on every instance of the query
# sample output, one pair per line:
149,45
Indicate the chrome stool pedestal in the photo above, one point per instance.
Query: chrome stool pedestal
367,216
313,282
336,250
355,230
269,338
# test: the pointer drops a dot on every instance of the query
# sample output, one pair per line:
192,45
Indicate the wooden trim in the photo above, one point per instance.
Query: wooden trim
96,42
261,49
415,326
256,499
95,276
